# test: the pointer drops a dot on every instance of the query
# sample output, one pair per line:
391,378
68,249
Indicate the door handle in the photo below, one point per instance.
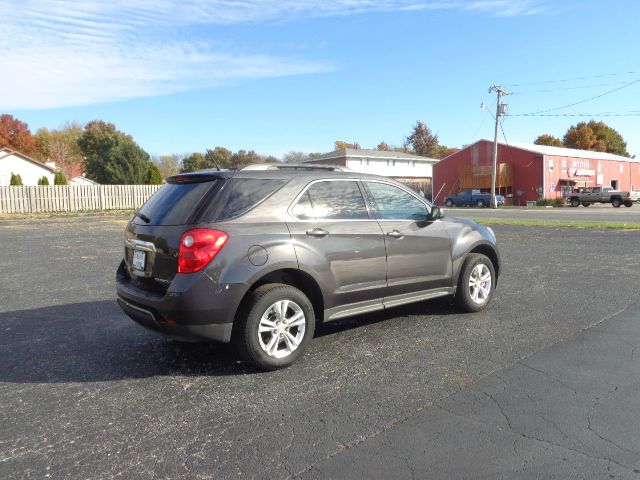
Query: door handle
317,232
395,234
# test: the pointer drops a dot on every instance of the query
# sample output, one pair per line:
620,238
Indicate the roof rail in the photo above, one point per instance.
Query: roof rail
296,166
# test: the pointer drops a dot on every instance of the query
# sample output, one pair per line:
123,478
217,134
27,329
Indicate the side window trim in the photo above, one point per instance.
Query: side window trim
305,191
375,210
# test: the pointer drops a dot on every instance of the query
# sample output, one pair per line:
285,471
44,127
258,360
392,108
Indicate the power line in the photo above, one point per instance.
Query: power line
580,101
589,77
631,113
566,89
502,128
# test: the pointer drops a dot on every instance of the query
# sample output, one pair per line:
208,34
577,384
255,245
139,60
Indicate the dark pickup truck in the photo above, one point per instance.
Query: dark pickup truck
472,197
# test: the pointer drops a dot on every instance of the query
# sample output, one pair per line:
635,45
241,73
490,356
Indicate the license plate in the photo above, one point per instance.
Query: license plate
139,259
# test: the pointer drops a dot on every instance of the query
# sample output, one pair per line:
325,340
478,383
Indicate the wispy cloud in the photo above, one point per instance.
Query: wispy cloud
66,53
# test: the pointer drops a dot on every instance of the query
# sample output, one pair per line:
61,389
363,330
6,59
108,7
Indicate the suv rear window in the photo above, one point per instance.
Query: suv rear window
174,202
238,196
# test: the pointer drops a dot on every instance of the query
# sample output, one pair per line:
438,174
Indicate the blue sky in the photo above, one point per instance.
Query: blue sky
274,76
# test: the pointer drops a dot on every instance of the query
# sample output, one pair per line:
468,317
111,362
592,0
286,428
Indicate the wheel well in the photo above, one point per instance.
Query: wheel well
489,252
296,278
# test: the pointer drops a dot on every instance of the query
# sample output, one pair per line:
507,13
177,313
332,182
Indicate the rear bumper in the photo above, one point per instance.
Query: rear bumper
194,307
220,332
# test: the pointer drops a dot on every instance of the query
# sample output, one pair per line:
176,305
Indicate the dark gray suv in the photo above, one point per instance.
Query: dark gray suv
260,257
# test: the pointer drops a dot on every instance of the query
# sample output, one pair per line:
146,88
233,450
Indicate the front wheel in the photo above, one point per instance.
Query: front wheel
628,204
274,326
448,203
616,202
575,202
480,203
476,283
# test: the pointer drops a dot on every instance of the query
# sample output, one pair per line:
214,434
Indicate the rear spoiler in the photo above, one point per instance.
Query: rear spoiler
199,176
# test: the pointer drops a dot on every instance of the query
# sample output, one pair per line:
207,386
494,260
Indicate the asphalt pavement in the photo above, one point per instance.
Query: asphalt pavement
544,383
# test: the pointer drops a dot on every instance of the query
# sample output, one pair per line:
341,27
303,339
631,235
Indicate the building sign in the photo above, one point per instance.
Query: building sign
583,172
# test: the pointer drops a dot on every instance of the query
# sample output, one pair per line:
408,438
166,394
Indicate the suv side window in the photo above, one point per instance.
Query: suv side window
331,200
238,196
393,203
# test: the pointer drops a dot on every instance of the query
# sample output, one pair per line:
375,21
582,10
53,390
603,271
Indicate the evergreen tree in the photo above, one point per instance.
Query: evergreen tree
112,157
43,180
59,178
16,180
153,175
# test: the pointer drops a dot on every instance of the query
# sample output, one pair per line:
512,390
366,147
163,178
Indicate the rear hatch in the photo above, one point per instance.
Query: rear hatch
152,238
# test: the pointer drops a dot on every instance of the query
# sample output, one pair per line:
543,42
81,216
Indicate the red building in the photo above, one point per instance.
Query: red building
530,172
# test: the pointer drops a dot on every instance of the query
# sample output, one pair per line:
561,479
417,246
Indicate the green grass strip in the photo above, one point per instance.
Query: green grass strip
559,223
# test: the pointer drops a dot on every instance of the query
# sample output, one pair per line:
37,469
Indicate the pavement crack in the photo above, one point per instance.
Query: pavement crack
550,376
602,437
497,404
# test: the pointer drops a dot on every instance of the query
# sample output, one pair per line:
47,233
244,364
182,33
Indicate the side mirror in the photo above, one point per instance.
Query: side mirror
436,213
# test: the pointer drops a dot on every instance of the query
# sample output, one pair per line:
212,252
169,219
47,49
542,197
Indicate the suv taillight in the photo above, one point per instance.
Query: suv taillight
198,247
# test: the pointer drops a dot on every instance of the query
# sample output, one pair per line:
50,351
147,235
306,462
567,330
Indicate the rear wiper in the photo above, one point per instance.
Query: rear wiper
142,217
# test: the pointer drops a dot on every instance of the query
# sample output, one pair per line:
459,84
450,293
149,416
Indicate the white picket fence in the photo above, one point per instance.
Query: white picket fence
73,198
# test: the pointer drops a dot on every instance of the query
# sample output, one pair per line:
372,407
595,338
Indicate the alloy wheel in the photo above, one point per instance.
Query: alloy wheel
281,329
480,284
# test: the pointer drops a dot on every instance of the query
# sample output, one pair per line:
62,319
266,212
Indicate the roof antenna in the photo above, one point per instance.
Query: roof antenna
209,156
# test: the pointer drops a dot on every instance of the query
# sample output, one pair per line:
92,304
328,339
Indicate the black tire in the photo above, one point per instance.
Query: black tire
448,203
463,298
575,202
585,204
259,302
480,203
616,202
628,204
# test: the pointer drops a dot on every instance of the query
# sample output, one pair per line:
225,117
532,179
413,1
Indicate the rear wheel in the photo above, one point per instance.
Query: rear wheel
480,203
448,203
476,282
274,326
616,202
575,202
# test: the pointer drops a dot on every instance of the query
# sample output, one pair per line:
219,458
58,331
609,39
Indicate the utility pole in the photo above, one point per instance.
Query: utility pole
501,109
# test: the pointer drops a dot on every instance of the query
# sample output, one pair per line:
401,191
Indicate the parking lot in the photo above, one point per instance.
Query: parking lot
543,383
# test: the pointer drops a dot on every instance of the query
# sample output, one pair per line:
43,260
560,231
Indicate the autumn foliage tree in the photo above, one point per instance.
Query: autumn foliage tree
582,137
341,145
592,135
61,146
15,134
549,140
422,141
611,138
168,164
